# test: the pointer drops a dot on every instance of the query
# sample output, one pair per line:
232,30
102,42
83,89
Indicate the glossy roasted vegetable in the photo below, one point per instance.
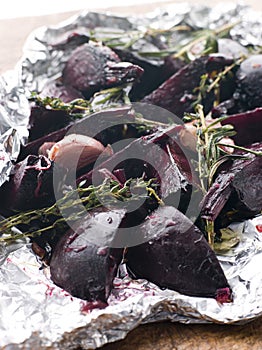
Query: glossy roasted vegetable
92,67
236,193
249,80
179,93
82,263
30,185
248,126
176,255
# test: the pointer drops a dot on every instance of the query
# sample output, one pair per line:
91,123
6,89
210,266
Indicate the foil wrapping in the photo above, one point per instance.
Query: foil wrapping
33,310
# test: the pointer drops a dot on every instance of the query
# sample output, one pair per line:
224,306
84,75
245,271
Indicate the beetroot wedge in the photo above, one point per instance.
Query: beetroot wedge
82,264
91,68
236,192
247,126
177,256
178,93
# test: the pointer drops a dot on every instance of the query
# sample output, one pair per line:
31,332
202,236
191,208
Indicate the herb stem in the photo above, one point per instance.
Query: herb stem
210,232
240,148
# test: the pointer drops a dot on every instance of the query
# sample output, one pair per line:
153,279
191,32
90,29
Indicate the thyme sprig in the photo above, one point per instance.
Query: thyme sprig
208,84
109,193
102,99
58,104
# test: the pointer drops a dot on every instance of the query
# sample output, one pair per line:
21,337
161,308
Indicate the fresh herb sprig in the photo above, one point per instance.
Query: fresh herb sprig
206,37
208,83
110,192
57,104
209,147
212,152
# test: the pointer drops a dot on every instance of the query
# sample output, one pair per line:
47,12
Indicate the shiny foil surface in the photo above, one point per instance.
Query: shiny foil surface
33,310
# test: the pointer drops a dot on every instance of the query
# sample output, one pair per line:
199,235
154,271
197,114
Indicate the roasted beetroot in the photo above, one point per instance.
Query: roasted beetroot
83,263
247,126
96,124
237,190
43,121
176,255
179,92
138,159
30,186
93,67
249,82
155,73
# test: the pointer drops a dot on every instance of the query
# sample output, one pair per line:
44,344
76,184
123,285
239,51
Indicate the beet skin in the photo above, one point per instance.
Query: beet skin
177,256
82,264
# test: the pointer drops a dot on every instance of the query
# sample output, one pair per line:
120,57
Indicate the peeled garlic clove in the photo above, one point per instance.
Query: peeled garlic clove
75,151
45,148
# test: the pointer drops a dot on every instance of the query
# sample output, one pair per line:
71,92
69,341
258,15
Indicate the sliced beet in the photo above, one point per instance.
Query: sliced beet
248,126
249,81
178,93
91,68
30,185
237,189
148,156
177,256
43,121
81,264
96,124
155,73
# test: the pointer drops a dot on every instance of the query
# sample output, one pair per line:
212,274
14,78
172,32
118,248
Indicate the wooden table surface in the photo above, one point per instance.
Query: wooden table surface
158,336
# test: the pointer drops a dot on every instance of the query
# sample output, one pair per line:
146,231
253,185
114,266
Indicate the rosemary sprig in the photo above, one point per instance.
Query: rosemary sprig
210,153
205,36
127,39
209,145
240,148
109,192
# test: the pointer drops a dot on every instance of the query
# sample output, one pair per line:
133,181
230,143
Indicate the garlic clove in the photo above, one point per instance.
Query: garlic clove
75,151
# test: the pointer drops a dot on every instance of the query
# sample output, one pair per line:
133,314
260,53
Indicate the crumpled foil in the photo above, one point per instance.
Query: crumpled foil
33,310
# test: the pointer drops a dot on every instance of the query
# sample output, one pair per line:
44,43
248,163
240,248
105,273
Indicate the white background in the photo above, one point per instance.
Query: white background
24,8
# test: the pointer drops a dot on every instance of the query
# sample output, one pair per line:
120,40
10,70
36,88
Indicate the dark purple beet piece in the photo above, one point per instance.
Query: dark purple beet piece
237,188
177,256
83,267
249,82
154,73
148,156
65,93
91,68
43,121
177,94
248,126
95,124
29,186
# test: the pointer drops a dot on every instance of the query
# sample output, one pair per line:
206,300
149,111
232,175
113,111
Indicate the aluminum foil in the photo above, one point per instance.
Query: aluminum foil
35,312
